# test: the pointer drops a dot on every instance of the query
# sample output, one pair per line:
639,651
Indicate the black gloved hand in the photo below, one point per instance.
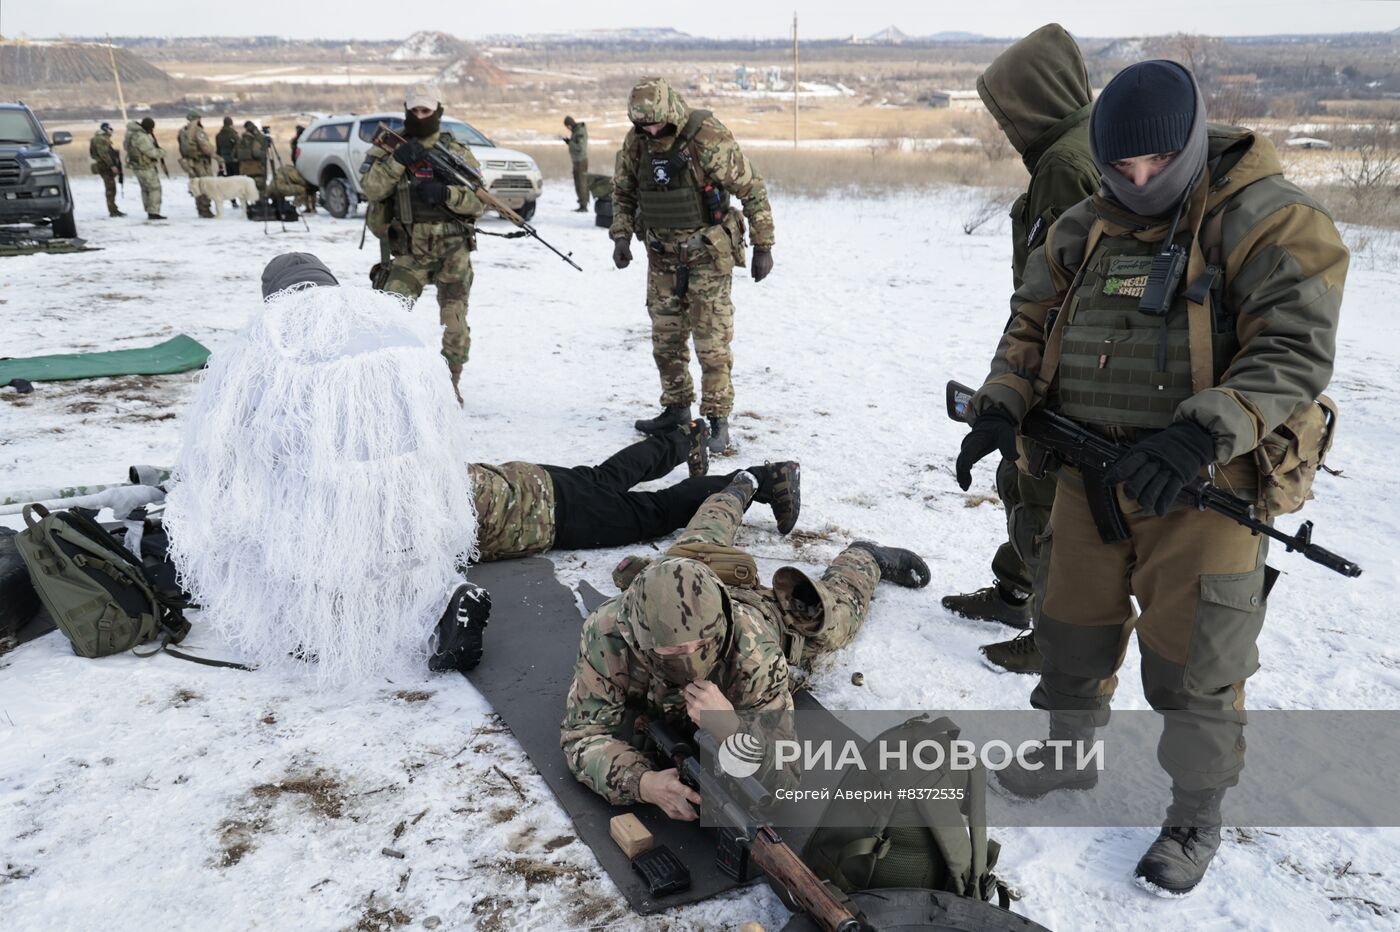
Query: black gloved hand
410,153
622,252
433,192
762,263
993,430
1154,470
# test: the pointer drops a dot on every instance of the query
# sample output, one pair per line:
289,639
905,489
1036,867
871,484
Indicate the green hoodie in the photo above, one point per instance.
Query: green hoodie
1038,91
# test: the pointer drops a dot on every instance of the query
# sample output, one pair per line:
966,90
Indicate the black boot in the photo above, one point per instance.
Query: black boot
115,213
671,417
457,641
897,565
719,434
151,216
994,603
1177,861
1033,784
780,486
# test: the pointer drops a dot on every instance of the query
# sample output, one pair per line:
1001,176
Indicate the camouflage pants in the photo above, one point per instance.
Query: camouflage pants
843,592
1201,583
707,312
581,182
201,168
1027,501
257,171
149,178
109,187
446,262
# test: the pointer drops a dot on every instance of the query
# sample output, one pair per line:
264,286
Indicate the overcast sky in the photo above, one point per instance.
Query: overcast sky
374,19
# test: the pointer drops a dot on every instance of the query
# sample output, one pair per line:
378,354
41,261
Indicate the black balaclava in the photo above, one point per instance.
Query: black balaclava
295,268
1150,107
149,125
417,128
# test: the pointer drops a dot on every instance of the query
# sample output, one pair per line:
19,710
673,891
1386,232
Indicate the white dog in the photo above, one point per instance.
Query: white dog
220,188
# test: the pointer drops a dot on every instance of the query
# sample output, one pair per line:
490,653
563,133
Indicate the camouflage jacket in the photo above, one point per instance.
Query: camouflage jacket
287,182
1285,267
609,680
578,143
381,177
514,510
194,144
721,160
140,146
103,155
227,143
252,147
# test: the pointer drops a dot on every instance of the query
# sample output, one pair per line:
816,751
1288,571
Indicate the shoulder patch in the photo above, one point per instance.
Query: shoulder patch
367,164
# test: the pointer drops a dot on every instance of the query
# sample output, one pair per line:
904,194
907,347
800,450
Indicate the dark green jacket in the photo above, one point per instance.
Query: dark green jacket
578,143
1038,91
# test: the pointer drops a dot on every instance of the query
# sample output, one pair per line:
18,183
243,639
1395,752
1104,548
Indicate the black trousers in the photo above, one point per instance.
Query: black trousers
594,506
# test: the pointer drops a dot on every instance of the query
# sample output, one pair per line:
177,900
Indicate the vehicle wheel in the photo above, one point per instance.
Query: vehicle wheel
527,210
339,198
65,227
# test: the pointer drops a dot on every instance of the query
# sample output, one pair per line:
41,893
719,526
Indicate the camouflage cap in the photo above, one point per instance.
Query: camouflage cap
192,115
422,95
654,100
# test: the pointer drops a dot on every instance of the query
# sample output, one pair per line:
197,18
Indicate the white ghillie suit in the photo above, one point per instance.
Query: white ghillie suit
321,501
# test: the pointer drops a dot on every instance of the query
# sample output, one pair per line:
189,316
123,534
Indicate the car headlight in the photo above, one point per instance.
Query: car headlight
42,163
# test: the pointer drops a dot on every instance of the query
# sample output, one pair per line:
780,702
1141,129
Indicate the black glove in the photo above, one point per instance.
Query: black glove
1154,470
622,252
410,153
993,430
433,193
762,263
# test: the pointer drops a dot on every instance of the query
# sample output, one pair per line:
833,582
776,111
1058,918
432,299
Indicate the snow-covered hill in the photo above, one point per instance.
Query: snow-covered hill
156,794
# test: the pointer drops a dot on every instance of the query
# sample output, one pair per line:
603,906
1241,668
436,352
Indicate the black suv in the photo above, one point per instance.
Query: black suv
33,184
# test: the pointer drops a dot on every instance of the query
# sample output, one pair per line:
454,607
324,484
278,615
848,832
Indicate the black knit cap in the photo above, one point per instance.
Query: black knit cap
1147,108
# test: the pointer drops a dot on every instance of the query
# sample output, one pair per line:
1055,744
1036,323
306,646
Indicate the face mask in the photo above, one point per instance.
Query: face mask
682,669
420,128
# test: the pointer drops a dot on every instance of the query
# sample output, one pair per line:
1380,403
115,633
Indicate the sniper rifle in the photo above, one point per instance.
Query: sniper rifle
456,170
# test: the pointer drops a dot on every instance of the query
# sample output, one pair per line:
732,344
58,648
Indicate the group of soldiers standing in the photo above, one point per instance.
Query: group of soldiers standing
231,153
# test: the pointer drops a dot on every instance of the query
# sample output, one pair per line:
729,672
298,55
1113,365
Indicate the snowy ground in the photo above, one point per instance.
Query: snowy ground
155,794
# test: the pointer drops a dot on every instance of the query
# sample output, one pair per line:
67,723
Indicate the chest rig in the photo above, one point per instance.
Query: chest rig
671,189
1126,362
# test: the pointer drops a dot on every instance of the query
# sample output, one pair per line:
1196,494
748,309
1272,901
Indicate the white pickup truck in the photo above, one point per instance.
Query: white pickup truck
330,151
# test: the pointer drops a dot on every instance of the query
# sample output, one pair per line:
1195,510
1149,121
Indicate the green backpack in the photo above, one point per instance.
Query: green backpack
939,843
98,593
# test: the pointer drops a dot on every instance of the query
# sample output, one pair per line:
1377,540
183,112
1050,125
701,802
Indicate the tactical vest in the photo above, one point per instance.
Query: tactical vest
1119,366
670,187
188,148
407,207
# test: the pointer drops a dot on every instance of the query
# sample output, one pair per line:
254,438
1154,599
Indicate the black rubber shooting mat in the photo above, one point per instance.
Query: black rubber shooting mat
525,672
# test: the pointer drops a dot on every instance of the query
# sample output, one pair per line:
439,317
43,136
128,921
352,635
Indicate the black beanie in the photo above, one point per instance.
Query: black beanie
1146,108
148,124
295,268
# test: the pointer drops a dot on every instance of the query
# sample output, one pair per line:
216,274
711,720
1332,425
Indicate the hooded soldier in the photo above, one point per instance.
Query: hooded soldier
426,225
679,169
252,155
1038,91
1218,284
680,643
106,164
296,516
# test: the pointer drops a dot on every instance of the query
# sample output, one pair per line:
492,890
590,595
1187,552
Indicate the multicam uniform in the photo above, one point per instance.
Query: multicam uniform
664,178
143,158
429,244
196,158
766,630
1268,337
252,158
288,182
105,166
578,155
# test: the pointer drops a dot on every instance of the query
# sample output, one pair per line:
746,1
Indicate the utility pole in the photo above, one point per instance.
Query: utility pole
121,101
796,81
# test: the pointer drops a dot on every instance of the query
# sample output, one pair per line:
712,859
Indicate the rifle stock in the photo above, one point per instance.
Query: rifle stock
765,847
1093,454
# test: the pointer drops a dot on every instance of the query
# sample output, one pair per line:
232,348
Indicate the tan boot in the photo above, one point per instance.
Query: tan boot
456,372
